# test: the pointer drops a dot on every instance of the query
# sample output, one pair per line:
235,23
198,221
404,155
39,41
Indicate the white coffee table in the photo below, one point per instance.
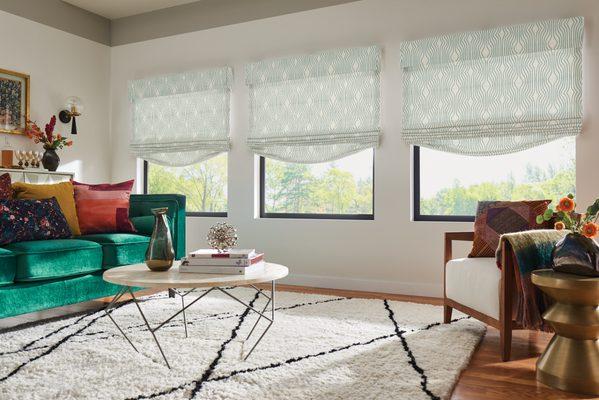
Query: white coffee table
138,275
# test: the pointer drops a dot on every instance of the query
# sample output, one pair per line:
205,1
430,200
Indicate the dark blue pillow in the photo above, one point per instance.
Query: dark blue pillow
22,220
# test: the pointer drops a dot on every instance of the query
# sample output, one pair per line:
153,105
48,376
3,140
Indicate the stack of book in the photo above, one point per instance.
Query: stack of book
232,262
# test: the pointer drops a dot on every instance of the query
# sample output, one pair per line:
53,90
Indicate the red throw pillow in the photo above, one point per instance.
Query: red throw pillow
5,187
103,208
494,218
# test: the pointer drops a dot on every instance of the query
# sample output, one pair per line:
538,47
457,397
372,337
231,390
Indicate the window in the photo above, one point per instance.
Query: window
448,186
341,189
204,184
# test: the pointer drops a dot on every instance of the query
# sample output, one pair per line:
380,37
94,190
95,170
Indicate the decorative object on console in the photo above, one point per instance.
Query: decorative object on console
5,187
103,208
494,218
74,108
222,236
7,158
577,252
50,141
24,220
14,101
63,192
160,254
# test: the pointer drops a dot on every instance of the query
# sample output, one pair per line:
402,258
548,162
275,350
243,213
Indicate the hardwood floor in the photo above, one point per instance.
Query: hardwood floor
486,377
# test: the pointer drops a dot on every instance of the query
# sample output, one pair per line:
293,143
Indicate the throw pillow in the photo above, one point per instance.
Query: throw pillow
62,191
5,187
22,220
494,218
103,208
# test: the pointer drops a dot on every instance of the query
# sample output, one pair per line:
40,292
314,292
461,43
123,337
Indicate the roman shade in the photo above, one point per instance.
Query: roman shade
495,91
181,119
317,107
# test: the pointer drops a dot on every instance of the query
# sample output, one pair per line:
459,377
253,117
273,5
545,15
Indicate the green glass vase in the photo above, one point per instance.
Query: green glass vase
160,254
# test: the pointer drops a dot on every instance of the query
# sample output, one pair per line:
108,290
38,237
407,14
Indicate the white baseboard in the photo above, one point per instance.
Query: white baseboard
366,285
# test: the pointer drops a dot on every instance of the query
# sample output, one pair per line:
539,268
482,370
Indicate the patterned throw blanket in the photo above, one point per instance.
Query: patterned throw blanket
532,250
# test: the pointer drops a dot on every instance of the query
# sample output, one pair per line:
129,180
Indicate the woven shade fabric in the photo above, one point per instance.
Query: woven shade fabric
181,119
495,91
317,107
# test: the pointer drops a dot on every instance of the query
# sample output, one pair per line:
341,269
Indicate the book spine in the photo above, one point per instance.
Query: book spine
226,262
212,270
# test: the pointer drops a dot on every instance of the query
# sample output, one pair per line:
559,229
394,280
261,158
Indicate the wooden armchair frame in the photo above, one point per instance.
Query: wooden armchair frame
504,324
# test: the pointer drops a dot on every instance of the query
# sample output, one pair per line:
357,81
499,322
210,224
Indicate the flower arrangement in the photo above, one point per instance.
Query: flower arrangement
49,139
567,218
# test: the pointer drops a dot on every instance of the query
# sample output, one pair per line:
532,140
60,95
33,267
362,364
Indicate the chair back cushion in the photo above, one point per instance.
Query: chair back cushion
494,218
5,187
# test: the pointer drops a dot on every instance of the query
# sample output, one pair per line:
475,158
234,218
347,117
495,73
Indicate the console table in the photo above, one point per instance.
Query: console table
35,175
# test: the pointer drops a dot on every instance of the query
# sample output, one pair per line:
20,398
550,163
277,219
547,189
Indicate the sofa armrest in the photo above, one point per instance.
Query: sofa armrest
450,237
142,205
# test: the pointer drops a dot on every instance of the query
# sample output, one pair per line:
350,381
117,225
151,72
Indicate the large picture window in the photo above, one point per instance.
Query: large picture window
204,184
448,186
341,189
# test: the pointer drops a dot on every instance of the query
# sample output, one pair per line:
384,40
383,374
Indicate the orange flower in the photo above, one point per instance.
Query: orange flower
69,143
566,204
590,229
559,225
558,208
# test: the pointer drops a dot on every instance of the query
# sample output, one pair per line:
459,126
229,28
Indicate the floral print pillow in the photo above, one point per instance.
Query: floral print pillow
22,220
5,187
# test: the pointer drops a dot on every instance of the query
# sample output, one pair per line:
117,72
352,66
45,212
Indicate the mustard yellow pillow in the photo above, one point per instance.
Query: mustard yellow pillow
63,192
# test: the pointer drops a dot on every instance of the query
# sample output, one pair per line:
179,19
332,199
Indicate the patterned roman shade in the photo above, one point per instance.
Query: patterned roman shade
495,91
181,119
315,108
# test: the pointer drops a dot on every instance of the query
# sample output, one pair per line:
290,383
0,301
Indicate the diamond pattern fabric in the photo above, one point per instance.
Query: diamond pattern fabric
315,108
495,91
181,119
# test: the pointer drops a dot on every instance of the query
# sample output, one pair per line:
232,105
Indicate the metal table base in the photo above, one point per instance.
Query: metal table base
182,294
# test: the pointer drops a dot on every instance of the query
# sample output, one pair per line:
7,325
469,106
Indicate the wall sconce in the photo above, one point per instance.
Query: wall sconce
73,108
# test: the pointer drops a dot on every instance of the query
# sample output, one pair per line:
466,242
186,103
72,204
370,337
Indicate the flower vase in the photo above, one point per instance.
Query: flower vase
50,160
576,254
160,254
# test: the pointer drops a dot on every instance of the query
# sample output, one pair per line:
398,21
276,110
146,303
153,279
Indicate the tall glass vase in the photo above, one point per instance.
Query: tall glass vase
160,254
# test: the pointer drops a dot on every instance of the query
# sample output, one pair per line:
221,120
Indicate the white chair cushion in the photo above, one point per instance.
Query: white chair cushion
475,283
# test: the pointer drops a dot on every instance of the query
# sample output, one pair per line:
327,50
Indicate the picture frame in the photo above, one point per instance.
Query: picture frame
14,101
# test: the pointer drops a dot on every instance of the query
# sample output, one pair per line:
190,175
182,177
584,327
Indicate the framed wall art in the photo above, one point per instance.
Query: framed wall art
14,101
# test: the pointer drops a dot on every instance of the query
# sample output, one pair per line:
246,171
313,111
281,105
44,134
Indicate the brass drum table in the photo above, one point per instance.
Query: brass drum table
571,360
183,283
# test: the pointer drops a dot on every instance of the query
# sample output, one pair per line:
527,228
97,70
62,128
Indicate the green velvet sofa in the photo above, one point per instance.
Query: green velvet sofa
43,274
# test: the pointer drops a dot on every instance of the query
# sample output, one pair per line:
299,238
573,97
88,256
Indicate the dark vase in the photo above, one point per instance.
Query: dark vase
160,253
576,254
50,160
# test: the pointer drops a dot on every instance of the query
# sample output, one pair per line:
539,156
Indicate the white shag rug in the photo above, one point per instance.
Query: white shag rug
320,347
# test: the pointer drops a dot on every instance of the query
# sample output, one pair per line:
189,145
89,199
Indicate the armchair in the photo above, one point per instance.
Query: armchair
476,287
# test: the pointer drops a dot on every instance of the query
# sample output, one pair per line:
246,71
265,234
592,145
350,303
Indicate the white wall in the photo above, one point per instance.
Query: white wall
391,253
60,65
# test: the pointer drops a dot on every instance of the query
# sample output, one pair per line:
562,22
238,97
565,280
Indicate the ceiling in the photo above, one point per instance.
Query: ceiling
113,9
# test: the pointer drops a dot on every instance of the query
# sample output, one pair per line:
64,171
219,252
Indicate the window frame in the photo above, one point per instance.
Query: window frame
187,213
264,214
416,215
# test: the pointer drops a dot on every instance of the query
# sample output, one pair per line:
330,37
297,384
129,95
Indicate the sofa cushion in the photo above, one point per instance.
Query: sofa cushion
474,283
49,259
7,267
120,248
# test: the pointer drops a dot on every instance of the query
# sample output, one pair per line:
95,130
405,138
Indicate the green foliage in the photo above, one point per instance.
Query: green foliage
293,188
460,200
204,184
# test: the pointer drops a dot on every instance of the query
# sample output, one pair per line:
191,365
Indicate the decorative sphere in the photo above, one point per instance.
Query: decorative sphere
222,237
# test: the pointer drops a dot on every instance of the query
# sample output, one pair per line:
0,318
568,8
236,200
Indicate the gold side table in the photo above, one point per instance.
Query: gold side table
571,360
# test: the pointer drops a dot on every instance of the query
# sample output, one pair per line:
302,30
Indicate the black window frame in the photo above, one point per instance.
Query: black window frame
187,213
416,196
264,214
